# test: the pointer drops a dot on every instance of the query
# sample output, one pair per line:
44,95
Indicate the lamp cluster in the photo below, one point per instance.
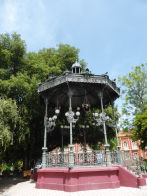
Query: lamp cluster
100,118
50,122
70,116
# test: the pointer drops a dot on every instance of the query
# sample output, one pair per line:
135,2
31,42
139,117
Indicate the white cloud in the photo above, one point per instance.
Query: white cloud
37,24
9,15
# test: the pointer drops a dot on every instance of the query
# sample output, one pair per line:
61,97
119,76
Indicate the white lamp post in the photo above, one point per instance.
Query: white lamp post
49,125
70,118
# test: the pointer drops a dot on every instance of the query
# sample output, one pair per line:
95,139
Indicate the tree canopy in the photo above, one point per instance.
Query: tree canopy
134,91
8,122
140,127
12,51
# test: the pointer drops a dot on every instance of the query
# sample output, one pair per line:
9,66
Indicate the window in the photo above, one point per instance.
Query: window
134,145
125,144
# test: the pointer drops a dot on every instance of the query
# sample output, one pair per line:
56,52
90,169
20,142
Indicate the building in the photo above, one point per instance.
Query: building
128,145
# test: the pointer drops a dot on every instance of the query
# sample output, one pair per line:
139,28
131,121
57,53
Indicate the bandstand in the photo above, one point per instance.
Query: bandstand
69,94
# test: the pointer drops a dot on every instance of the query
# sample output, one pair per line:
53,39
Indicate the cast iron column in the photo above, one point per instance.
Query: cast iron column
71,160
118,146
62,133
108,157
44,149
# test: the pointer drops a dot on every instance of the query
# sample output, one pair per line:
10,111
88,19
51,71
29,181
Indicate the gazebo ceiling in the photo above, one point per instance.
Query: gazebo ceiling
84,87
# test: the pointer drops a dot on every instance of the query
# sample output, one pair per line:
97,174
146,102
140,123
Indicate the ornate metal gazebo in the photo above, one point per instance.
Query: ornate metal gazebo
67,93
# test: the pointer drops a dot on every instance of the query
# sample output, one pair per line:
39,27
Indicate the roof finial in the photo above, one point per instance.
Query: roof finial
76,64
76,68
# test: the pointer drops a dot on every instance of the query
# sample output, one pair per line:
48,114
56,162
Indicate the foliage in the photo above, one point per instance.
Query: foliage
51,61
9,122
140,127
134,93
113,143
12,51
145,163
2,167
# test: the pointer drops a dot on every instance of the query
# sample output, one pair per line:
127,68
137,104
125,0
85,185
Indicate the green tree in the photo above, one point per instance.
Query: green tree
23,89
140,127
134,85
10,123
51,61
12,51
67,56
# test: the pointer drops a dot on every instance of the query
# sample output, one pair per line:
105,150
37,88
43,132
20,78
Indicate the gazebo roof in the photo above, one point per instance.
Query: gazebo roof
83,85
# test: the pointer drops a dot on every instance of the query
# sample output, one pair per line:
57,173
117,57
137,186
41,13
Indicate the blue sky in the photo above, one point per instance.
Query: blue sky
111,34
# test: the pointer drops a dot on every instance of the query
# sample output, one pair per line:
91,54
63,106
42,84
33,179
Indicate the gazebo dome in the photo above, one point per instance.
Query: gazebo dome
76,68
76,64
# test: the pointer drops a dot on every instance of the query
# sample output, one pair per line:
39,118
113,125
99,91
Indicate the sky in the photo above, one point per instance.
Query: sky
111,34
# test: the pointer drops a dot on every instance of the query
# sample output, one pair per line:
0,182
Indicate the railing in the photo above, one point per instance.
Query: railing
133,164
87,158
97,158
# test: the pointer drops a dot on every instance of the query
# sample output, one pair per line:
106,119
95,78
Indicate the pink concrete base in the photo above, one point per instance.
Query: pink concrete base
128,179
87,178
141,182
144,175
78,179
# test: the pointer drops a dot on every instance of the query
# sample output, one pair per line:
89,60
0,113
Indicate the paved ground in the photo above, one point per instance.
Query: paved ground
7,182
28,189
